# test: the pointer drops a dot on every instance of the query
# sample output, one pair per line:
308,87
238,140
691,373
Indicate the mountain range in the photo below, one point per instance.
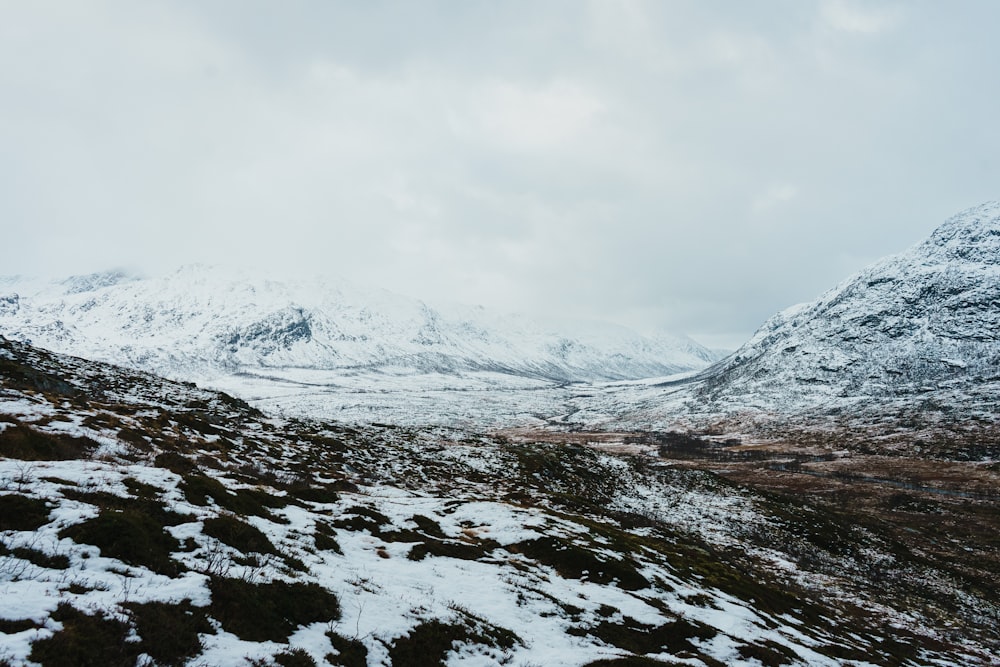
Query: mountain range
146,521
915,336
202,322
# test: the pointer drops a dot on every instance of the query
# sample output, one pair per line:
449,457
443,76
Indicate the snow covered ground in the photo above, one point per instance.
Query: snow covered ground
132,505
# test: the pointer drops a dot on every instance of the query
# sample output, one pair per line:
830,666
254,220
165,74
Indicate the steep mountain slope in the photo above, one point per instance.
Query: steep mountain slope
150,522
201,321
926,320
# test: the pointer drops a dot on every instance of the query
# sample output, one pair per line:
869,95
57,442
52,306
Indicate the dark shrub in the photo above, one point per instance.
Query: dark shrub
673,637
446,549
175,462
169,632
313,494
350,652
272,611
428,526
238,535
150,506
28,444
326,542
42,559
130,536
198,489
295,657
21,513
769,654
9,627
632,661
85,641
429,643
574,562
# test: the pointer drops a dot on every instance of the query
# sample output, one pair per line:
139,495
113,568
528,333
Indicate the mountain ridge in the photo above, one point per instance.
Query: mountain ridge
203,319
913,322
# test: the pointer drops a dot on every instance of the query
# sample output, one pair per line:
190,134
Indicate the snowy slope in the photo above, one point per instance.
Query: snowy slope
148,522
925,320
201,322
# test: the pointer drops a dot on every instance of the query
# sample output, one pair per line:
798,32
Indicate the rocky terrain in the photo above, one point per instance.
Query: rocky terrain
150,522
906,353
926,320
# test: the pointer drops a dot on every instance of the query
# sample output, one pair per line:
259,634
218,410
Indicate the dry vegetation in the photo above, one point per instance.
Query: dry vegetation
869,537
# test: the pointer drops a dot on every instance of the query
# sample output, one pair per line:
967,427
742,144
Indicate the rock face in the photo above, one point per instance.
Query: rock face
925,320
202,321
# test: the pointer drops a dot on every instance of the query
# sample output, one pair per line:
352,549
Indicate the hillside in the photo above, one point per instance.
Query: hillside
905,354
154,521
925,320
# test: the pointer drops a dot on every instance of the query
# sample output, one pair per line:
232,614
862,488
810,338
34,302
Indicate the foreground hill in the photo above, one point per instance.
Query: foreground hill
201,322
149,522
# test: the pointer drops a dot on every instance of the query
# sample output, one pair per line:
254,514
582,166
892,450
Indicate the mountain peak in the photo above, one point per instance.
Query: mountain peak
95,281
921,321
971,236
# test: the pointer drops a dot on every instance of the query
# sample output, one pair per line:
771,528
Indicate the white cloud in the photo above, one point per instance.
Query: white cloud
688,165
773,197
511,116
855,18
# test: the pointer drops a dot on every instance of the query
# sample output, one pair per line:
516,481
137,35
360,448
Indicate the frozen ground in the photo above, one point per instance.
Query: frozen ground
148,522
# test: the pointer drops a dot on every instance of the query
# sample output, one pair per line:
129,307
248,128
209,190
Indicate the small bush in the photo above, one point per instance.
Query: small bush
271,611
21,513
429,643
239,535
19,375
574,562
350,652
28,444
9,627
446,549
632,661
170,632
428,526
326,542
85,641
42,559
130,536
198,489
373,514
313,494
769,654
366,519
673,637
147,504
295,657
175,462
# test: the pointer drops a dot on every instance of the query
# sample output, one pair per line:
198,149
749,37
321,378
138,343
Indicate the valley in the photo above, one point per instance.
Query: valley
212,470
439,546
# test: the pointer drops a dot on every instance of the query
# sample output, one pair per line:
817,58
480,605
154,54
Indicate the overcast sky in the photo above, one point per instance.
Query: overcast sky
694,166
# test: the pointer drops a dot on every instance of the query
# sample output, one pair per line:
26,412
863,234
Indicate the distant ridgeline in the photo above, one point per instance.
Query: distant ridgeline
202,321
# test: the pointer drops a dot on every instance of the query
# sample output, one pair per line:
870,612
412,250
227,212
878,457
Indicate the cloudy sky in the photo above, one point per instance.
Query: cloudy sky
683,165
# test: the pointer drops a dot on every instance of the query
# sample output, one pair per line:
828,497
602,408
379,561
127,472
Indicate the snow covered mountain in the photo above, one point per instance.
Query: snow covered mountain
925,320
201,322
